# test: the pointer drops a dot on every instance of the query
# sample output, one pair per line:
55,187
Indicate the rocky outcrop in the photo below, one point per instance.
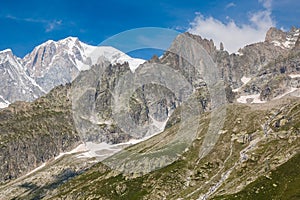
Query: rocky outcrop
270,67
275,34
95,93
297,44
33,133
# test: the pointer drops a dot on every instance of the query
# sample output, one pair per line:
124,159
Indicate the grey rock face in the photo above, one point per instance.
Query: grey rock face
285,40
267,64
274,34
94,96
16,85
33,133
54,63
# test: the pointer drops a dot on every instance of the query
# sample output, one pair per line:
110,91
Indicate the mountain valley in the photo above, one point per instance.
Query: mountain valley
226,132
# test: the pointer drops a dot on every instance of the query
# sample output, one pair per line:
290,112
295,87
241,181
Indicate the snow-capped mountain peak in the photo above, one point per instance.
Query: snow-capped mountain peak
5,51
50,64
59,62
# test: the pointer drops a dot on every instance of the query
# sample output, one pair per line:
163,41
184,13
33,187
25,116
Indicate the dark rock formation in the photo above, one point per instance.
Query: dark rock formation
33,133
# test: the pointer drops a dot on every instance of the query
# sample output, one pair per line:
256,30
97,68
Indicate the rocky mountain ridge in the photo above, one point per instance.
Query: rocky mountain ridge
51,64
59,62
261,73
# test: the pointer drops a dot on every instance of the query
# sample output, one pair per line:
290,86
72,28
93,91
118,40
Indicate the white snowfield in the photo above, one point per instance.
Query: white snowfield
93,150
95,53
3,105
111,54
104,150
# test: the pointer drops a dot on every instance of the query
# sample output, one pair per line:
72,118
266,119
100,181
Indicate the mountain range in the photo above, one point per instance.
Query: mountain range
51,64
72,139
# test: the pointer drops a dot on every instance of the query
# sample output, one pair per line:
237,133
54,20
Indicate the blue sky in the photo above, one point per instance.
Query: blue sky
25,24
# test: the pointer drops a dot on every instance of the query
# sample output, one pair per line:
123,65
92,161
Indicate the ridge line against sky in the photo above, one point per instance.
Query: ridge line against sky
26,24
235,36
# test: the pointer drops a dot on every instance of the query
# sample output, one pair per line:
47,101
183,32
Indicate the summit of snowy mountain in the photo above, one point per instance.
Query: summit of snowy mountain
50,64
59,62
5,51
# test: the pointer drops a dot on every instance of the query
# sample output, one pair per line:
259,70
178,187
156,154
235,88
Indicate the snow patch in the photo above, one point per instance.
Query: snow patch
289,42
158,124
276,43
3,105
237,89
245,80
294,75
36,169
80,148
239,53
254,97
104,150
6,51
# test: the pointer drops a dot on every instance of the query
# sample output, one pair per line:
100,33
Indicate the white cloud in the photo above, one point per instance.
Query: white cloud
50,25
230,5
232,35
266,3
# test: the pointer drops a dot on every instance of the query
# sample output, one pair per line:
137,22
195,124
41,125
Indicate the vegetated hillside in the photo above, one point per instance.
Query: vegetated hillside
280,183
253,143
